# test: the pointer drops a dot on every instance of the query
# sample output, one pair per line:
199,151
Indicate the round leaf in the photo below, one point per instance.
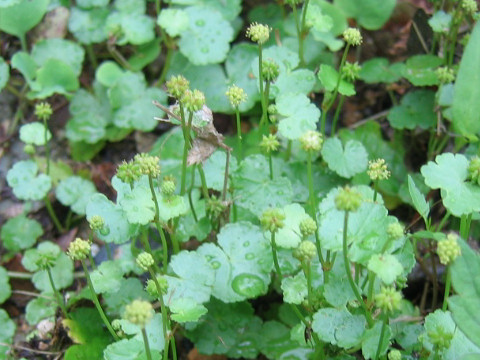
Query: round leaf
26,185
5,289
20,233
34,133
174,21
386,267
88,26
345,161
75,192
67,51
415,109
4,73
20,17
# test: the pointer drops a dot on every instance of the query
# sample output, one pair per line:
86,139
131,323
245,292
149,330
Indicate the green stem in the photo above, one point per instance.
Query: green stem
448,282
371,285
68,220
92,262
163,309
52,214
308,275
239,132
204,181
465,222
337,114
174,347
23,42
312,206
91,56
13,90
147,346
349,273
159,226
270,165
316,339
288,152
275,258
158,5
166,66
262,94
190,199
267,95
375,190
186,147
382,334
303,32
60,301
109,251
47,145
175,243
97,303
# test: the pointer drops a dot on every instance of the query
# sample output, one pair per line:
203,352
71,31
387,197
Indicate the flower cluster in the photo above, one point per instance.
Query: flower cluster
348,199
448,249
272,219
307,226
145,261
258,33
352,36
445,75
350,71
311,141
148,164
474,170
193,100
388,299
470,6
96,222
138,312
177,85
151,287
270,70
377,170
395,231
128,172
305,252
79,249
43,111
269,143
236,95
168,187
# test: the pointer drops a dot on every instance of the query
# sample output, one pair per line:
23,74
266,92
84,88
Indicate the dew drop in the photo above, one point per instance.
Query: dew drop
208,257
204,50
105,230
246,244
248,285
215,264
200,22
249,256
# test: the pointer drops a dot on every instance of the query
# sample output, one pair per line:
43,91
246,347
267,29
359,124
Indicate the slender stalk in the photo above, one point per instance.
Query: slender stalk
47,145
68,220
159,226
174,240
109,251
448,282
186,147
174,347
275,257
316,339
465,222
239,132
337,114
92,262
91,56
13,90
270,165
267,95
382,335
97,303
147,346
371,283
434,278
204,182
190,199
311,194
166,66
308,275
349,273
375,190
58,296
303,32
52,214
262,94
23,42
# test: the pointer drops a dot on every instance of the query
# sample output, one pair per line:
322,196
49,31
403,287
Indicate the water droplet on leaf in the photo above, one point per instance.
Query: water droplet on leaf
248,285
215,264
249,256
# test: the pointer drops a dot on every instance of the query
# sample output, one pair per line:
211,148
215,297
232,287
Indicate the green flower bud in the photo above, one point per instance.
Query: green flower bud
117,327
307,226
177,85
440,338
394,355
78,249
258,33
395,231
306,251
350,71
272,219
151,287
215,206
128,172
470,7
29,149
311,141
138,312
43,111
193,100
448,249
168,187
45,260
96,222
348,199
445,75
377,170
388,299
270,70
236,95
272,113
352,36
148,164
269,143
474,170
145,261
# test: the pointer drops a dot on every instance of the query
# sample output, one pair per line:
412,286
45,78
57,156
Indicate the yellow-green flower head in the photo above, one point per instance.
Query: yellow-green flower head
96,222
43,111
168,187
377,170
306,251
272,219
138,312
348,199
395,231
45,260
79,249
474,170
269,143
236,95
270,70
352,36
29,149
151,287
448,249
258,33
272,113
350,71
470,6
215,206
445,75
128,172
177,85
311,141
148,164
388,299
439,337
145,261
394,355
307,226
193,100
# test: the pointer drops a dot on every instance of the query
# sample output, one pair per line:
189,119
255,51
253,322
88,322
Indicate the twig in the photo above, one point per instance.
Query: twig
377,116
19,347
32,294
